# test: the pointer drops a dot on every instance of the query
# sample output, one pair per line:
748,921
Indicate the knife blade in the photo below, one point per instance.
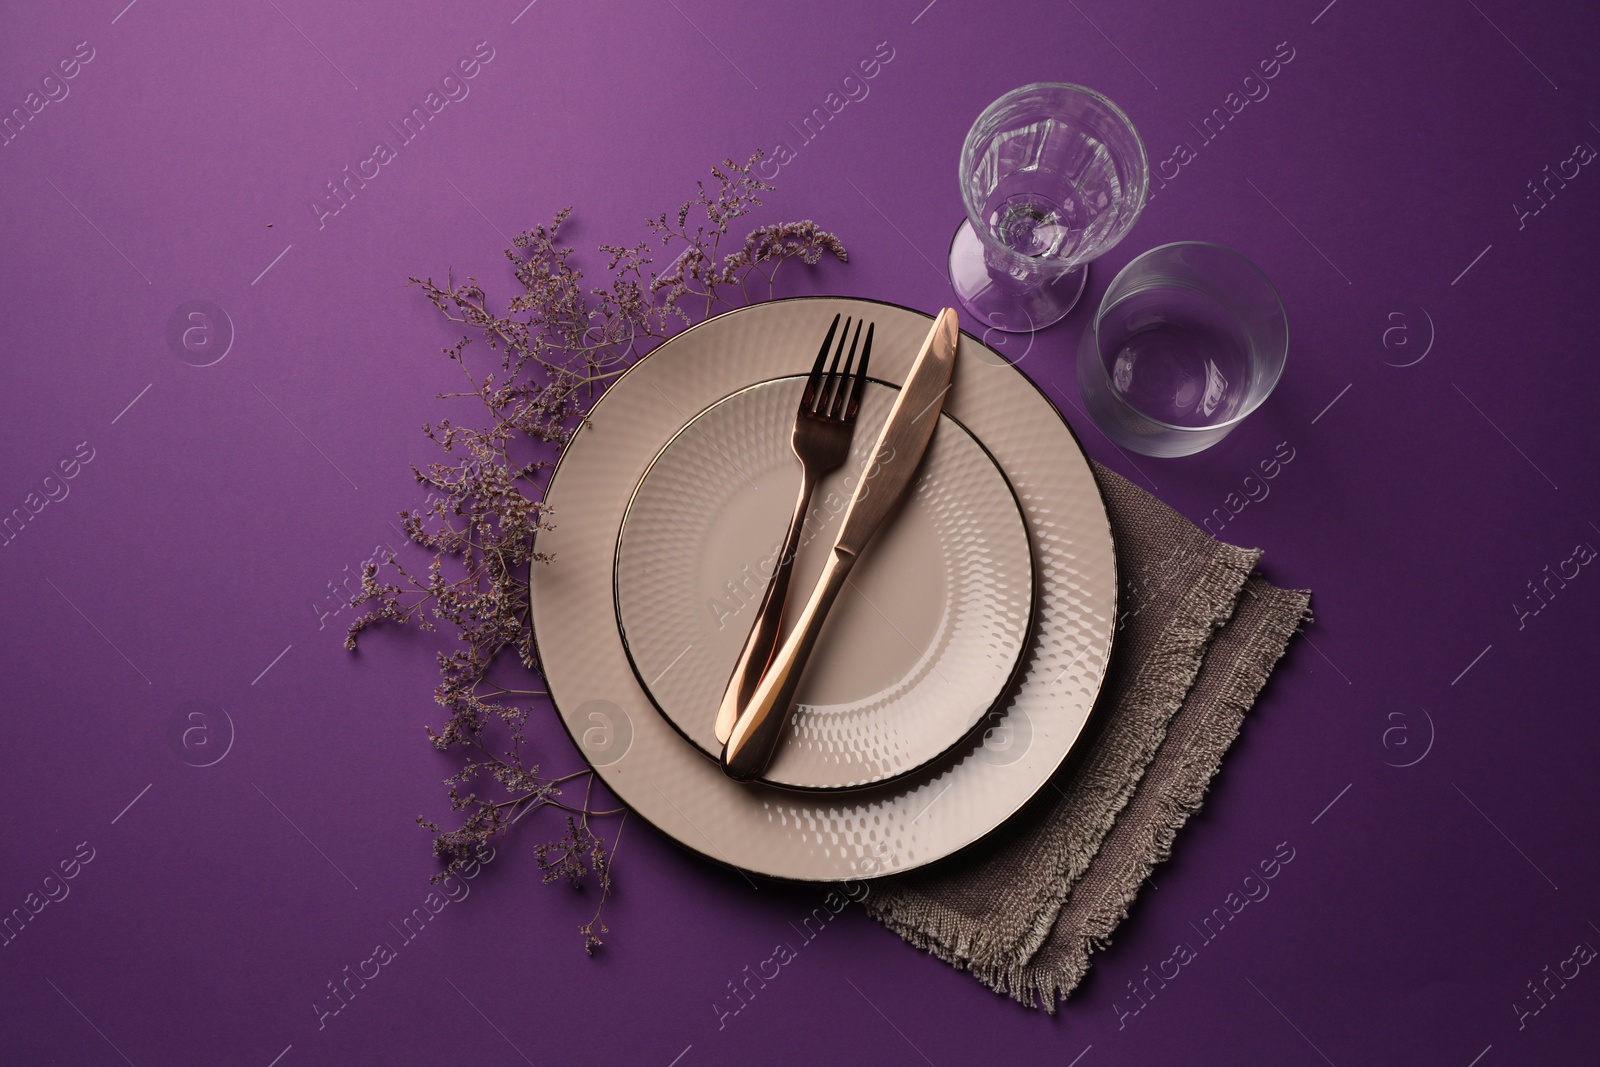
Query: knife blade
904,437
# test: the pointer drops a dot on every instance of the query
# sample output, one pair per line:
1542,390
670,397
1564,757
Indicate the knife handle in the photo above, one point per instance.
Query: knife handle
755,736
762,643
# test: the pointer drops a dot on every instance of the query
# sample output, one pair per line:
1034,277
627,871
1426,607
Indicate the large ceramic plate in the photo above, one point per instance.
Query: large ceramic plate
831,836
919,646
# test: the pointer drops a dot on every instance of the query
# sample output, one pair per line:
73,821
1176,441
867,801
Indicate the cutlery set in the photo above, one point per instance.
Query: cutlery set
759,700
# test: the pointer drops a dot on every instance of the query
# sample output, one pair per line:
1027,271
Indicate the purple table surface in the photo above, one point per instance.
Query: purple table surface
1427,751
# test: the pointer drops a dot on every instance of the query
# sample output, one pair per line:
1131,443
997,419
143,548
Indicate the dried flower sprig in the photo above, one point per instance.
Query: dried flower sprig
557,339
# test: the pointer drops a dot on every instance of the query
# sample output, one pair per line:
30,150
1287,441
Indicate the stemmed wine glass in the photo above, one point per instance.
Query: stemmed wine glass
1052,175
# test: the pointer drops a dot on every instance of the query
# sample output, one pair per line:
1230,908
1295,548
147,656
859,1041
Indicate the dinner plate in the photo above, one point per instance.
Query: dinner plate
821,836
921,643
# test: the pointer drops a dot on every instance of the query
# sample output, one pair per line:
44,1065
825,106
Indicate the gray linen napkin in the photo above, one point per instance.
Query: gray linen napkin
1198,634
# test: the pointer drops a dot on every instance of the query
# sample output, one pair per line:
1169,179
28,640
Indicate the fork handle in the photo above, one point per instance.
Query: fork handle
763,640
756,734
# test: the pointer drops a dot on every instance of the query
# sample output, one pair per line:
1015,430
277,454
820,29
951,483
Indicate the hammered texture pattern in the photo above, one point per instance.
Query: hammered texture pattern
692,565
824,836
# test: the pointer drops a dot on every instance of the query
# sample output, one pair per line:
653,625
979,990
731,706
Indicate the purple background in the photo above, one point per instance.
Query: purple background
193,557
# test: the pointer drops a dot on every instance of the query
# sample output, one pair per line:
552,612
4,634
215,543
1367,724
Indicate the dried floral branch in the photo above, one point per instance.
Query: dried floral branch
557,339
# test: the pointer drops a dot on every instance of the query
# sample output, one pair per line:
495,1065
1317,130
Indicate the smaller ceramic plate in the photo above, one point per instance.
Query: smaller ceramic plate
922,642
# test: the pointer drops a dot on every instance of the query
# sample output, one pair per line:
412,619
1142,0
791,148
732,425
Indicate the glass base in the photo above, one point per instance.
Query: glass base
1002,301
1125,425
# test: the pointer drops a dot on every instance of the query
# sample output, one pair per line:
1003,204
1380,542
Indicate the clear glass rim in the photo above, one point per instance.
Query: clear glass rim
974,211
1277,374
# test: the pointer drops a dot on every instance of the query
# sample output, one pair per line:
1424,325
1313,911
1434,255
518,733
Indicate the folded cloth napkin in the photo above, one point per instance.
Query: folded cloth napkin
1198,634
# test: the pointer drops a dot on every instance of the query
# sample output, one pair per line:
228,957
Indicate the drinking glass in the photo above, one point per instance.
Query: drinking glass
1052,175
1189,339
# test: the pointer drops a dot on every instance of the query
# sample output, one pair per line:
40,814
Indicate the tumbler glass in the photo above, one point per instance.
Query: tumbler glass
1052,175
1189,339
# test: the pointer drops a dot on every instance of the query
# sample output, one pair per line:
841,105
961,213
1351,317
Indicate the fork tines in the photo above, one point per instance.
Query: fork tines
832,395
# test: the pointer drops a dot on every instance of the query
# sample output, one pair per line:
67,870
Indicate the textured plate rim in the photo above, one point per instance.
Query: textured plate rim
1115,593
1006,684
